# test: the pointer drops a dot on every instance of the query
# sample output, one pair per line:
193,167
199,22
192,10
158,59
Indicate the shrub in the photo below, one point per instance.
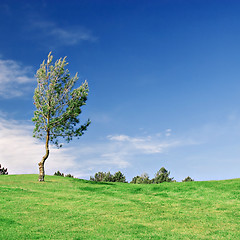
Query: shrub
119,177
59,174
69,175
162,176
3,171
108,177
187,179
144,178
98,177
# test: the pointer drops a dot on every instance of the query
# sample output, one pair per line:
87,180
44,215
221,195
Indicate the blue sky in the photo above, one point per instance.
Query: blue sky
163,77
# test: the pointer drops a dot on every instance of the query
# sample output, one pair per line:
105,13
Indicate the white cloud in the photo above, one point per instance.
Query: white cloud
144,145
119,152
20,152
120,138
14,79
168,132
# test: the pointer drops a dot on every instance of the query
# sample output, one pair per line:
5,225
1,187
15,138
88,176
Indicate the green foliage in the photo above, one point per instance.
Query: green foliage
119,177
3,171
108,177
58,173
98,177
162,176
69,175
143,179
58,104
187,179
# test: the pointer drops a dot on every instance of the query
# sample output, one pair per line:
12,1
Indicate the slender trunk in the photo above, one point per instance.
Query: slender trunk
41,164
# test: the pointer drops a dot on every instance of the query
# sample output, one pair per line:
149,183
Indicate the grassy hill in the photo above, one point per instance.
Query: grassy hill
65,208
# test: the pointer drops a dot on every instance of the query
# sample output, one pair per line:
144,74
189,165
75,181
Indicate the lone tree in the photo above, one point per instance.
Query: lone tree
58,106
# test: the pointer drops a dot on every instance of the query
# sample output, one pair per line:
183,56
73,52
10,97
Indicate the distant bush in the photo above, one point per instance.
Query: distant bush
144,178
161,176
119,177
69,175
108,177
187,179
59,174
98,177
3,171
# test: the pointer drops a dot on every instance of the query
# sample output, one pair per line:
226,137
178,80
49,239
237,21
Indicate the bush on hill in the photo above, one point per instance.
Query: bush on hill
108,177
161,176
69,175
144,178
187,179
3,171
119,177
58,173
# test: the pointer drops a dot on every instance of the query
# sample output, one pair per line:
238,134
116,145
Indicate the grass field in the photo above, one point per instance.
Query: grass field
66,208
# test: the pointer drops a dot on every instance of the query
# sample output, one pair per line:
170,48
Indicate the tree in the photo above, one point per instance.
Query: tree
108,177
144,178
119,177
58,106
162,176
3,171
187,179
98,177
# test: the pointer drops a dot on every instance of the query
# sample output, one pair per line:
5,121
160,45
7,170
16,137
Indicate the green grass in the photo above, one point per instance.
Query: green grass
65,208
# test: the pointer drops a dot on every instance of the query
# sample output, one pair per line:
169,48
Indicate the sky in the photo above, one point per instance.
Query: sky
163,78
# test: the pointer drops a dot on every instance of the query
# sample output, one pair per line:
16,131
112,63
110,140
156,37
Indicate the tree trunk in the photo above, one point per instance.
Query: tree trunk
41,172
41,164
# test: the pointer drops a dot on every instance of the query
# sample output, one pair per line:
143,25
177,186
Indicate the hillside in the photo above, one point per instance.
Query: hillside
65,208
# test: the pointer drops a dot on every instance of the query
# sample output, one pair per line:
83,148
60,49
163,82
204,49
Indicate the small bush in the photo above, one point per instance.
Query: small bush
69,175
119,177
98,177
187,179
3,171
108,177
143,179
59,174
162,176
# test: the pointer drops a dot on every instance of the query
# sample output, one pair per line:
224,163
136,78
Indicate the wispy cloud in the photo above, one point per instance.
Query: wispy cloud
117,152
14,78
62,35
168,132
20,152
145,145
